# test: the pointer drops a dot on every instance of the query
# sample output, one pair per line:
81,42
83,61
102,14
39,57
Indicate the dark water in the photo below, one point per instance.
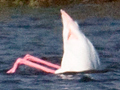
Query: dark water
40,34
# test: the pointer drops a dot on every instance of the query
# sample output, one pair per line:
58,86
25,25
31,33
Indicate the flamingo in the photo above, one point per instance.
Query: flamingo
79,53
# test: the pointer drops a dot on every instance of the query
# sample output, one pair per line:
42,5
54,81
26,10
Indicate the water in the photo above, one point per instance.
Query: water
40,34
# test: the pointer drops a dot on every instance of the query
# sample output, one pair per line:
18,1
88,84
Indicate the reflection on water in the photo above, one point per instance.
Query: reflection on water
39,32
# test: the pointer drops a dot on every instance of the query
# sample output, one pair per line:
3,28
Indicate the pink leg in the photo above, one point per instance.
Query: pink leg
35,59
27,61
15,66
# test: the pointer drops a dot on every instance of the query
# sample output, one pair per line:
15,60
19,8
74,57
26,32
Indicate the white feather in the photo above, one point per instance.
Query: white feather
79,53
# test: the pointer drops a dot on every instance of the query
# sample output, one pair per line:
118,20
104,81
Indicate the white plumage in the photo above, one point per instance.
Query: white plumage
79,53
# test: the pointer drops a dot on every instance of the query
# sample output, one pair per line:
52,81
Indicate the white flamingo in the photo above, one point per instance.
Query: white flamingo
79,53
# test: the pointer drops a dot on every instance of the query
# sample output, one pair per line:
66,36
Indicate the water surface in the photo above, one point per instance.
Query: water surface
39,32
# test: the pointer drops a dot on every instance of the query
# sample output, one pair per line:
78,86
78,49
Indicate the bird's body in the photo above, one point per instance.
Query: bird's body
79,53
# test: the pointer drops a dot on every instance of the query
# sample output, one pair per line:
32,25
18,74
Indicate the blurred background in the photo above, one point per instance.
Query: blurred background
48,3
